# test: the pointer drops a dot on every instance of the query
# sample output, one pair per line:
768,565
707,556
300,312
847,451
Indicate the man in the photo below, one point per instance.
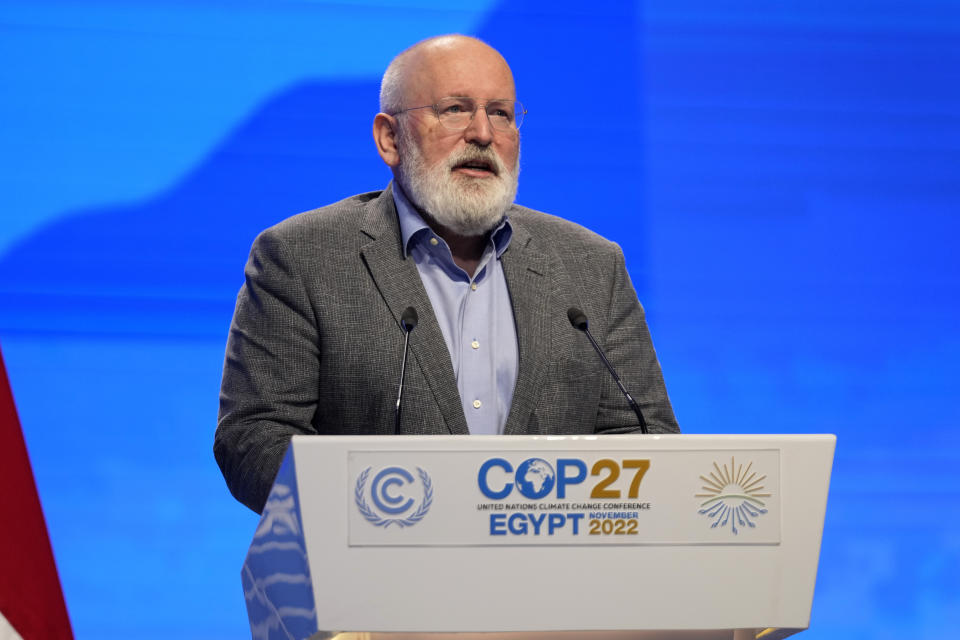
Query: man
316,341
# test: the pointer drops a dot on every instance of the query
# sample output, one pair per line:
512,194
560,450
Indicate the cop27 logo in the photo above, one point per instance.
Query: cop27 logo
535,478
395,496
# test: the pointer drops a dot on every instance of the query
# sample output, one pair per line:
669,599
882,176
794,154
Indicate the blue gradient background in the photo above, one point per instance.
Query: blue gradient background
783,177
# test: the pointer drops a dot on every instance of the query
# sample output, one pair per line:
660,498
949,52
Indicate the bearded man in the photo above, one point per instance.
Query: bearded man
317,337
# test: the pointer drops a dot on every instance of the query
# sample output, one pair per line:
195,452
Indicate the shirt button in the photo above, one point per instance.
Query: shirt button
475,344
434,241
476,404
473,286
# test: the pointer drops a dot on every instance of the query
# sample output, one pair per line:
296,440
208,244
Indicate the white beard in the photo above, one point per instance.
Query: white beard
465,205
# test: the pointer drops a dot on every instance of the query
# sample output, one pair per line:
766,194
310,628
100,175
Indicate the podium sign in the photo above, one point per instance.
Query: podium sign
574,497
682,535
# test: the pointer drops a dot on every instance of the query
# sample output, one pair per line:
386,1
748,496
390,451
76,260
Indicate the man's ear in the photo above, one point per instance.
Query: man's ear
385,137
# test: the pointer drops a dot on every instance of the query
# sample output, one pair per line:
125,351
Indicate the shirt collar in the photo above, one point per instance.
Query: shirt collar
412,224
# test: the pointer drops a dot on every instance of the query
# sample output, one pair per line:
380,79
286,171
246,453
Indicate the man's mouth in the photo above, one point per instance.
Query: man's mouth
476,166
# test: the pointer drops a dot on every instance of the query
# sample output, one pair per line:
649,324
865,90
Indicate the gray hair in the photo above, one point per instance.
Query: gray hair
391,86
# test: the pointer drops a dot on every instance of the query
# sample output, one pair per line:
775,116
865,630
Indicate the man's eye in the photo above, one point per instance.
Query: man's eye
455,108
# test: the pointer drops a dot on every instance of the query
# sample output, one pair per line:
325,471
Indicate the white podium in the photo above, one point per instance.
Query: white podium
660,536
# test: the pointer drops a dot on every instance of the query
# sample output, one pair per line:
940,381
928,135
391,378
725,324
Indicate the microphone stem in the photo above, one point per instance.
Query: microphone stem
616,378
403,369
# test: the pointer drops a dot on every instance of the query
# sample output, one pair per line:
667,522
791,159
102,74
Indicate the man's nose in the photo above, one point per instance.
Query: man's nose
480,130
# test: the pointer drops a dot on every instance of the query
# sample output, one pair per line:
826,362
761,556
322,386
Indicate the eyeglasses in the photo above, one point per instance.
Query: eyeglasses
456,113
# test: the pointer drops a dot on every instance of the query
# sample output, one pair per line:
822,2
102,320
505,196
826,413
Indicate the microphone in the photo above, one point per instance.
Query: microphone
579,321
408,321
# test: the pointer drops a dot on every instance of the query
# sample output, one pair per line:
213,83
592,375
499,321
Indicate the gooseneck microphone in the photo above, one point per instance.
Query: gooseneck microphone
408,320
579,321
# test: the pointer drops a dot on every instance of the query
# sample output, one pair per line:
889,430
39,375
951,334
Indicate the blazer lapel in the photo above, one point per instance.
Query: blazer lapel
399,283
526,270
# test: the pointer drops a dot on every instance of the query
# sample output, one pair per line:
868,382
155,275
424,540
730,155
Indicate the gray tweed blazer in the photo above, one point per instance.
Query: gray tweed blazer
315,344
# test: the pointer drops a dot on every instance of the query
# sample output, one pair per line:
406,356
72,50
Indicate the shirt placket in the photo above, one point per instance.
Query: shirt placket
476,355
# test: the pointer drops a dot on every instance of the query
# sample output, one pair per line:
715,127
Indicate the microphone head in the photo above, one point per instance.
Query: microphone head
577,318
408,319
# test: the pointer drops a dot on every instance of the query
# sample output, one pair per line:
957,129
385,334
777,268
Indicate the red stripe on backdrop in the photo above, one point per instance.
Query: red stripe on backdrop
30,596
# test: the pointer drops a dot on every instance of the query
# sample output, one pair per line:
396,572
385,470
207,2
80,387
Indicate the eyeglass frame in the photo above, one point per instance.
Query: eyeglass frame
522,111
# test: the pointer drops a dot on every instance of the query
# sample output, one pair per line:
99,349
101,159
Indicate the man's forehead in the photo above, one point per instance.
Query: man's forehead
457,66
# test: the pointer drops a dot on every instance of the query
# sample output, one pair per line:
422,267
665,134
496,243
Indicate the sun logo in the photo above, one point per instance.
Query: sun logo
733,496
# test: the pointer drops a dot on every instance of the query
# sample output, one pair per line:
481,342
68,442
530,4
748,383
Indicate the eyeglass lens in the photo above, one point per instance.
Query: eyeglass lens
457,113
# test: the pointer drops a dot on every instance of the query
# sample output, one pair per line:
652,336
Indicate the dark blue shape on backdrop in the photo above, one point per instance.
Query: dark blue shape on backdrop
173,265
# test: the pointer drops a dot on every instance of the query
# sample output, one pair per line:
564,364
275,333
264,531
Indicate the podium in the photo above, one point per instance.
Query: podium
535,537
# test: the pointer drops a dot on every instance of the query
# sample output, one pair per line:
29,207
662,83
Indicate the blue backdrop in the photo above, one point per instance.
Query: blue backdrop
783,178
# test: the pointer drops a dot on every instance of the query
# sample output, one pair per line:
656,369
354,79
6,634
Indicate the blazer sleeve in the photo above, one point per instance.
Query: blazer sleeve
630,350
270,373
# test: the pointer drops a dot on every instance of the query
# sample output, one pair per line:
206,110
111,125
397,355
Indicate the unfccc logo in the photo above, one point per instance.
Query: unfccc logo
395,496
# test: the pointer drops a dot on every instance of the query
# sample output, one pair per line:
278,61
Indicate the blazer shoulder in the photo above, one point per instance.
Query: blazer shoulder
334,227
560,232
346,215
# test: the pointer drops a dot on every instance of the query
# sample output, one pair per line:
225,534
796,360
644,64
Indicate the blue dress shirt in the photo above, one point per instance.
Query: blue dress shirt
475,316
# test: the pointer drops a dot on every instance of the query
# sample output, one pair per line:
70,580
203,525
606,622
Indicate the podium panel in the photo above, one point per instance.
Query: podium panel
620,537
